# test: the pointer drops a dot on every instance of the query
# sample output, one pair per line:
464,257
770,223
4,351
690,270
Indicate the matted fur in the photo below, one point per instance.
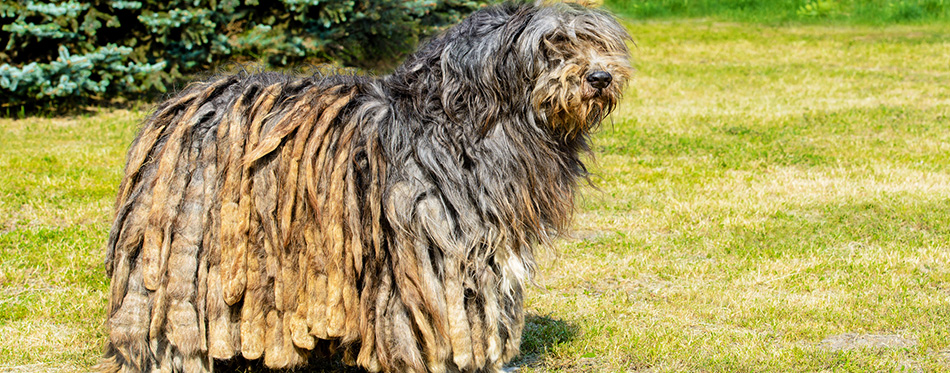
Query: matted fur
392,219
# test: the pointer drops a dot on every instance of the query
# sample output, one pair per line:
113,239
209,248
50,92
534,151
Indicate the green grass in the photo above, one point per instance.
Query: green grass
760,189
790,11
57,185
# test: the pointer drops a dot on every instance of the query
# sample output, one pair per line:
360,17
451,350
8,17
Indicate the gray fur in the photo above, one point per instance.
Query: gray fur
392,220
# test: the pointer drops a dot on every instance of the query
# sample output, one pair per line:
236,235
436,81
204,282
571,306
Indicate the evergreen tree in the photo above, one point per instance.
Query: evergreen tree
69,51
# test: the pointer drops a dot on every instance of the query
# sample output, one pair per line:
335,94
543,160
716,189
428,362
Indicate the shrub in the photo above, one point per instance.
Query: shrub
51,54
73,50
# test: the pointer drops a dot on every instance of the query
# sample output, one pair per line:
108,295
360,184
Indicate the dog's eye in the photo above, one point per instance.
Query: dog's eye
553,46
559,39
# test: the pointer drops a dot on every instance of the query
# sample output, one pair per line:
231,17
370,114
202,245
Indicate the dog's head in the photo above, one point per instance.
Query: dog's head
581,65
560,66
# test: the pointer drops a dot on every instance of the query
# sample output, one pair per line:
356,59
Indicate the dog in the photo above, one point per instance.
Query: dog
388,221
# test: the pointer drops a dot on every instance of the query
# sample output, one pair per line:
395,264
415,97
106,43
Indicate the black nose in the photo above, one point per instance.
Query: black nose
599,79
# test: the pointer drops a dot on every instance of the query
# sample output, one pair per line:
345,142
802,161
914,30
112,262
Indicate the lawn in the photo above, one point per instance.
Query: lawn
766,198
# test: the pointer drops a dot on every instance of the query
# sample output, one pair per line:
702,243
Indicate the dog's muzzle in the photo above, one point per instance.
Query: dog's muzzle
599,79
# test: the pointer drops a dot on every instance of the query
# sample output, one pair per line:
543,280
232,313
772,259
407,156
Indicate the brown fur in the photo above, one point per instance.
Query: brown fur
391,220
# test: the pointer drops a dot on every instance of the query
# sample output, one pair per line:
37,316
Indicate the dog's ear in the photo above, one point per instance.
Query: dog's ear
485,70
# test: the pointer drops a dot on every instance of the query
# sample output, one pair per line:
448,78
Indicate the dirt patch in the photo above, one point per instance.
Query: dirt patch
853,341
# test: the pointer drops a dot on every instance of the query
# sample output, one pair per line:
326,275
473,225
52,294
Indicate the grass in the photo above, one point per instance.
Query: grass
57,183
762,192
878,12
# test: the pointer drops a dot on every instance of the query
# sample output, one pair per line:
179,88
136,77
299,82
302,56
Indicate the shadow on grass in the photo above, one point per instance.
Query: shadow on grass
541,335
316,364
64,110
